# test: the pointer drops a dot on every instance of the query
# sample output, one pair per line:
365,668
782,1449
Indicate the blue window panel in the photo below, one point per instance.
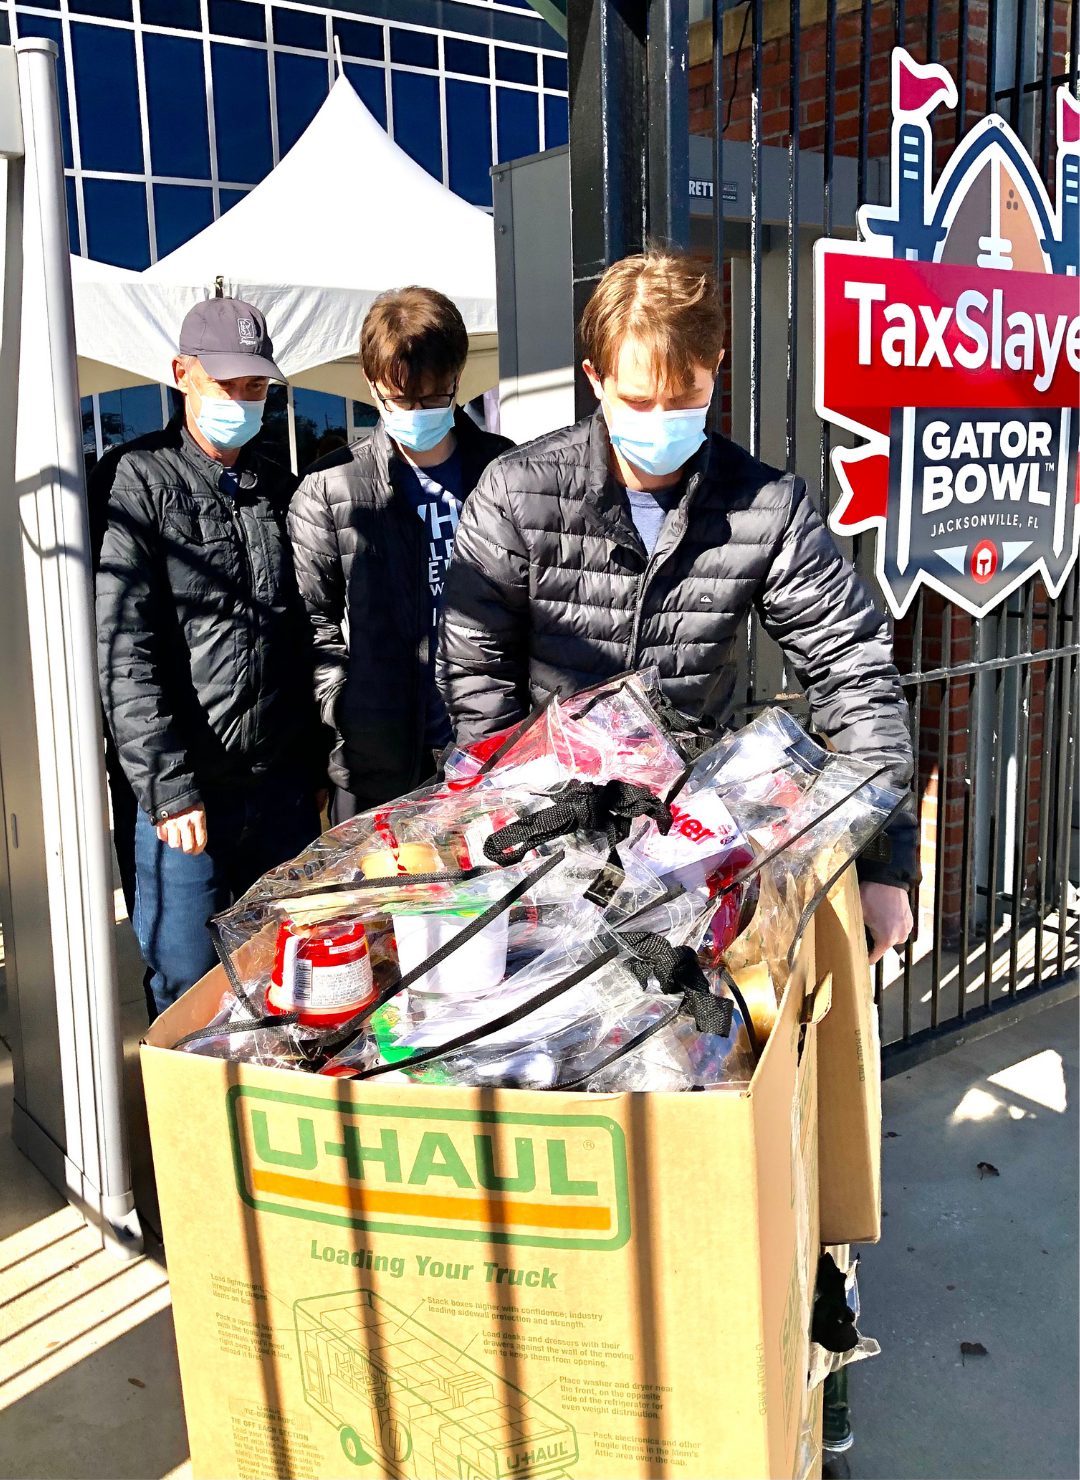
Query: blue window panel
302,85
242,113
129,413
86,406
116,229
39,25
320,425
518,123
360,40
180,212
72,214
515,66
555,75
468,140
364,415
113,10
107,95
299,28
273,439
238,18
180,15
229,198
176,102
414,49
370,83
416,118
469,57
556,121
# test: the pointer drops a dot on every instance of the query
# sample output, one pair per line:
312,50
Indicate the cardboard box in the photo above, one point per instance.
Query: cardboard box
849,1075
485,1285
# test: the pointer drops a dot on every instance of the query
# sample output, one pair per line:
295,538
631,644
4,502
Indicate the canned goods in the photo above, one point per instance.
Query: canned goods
321,971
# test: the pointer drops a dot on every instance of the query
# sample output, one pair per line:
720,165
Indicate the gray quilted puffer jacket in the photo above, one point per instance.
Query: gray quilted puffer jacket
361,564
550,590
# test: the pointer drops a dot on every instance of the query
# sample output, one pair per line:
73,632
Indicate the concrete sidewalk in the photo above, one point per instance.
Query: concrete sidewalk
89,1386
968,1256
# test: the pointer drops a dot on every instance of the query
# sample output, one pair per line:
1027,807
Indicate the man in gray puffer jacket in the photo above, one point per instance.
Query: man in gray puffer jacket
632,539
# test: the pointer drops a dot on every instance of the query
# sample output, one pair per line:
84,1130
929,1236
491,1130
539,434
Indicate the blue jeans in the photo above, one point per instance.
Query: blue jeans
248,831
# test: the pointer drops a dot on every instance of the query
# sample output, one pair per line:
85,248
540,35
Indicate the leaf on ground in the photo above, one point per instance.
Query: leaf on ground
950,1287
972,1349
891,1135
136,1383
987,1169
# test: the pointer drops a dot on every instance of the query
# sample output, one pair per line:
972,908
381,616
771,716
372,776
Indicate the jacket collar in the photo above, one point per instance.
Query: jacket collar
604,504
209,467
389,462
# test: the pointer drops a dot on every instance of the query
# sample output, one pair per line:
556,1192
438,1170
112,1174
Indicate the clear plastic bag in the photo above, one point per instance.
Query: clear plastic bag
608,732
569,1010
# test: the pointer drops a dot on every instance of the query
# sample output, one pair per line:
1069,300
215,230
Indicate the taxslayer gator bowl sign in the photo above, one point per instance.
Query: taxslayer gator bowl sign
948,338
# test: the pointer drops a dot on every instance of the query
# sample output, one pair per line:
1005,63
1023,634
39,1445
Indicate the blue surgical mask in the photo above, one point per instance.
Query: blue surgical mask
418,431
229,424
657,442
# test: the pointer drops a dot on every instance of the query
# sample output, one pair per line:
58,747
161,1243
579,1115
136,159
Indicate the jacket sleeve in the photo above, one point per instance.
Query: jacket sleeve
134,617
321,580
839,644
483,661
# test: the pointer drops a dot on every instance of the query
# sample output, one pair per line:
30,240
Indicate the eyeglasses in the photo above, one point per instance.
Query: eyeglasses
418,403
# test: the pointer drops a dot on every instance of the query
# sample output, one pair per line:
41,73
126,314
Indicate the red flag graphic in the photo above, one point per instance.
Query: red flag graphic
919,88
1069,131
866,477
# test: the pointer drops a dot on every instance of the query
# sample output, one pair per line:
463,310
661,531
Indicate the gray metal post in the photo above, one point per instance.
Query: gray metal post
59,902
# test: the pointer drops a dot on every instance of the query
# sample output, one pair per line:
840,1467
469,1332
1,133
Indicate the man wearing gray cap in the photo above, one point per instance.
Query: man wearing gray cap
203,648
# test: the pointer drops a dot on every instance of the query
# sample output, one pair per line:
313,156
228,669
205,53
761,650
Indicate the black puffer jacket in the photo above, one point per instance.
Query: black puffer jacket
361,561
551,590
204,657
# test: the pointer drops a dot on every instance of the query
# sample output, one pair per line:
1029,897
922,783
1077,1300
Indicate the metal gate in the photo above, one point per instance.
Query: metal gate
803,84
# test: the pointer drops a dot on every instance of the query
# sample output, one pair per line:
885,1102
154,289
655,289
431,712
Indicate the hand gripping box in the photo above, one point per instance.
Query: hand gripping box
463,1284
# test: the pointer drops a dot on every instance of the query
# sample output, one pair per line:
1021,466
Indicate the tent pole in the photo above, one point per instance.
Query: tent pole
294,462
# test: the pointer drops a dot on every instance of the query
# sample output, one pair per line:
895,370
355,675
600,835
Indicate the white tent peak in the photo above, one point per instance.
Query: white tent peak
346,215
344,195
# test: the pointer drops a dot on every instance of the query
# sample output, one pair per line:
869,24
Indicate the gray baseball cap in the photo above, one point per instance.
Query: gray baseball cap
229,339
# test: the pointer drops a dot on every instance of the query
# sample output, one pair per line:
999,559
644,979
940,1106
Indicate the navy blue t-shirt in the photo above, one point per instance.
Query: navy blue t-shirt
435,493
649,511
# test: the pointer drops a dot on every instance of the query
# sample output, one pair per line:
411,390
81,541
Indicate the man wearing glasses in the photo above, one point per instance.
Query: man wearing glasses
372,528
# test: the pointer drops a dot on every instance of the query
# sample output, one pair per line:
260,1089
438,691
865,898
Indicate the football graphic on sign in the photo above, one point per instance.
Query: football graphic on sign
948,339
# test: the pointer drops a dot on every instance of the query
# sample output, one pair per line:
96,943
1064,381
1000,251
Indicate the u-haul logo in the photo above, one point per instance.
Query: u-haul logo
555,1181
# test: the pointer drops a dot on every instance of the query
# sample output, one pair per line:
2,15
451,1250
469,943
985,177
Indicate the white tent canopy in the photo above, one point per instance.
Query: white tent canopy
311,246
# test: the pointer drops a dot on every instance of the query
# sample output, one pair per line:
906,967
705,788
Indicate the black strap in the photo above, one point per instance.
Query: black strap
582,806
820,893
623,1050
766,858
676,969
506,1020
740,1001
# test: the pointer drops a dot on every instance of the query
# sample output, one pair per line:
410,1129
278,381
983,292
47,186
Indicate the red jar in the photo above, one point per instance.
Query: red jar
321,971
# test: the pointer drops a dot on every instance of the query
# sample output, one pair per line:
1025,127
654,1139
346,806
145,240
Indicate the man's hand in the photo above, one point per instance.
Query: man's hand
186,831
887,914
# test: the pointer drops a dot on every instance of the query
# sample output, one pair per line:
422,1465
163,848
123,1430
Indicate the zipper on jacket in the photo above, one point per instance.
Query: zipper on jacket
236,519
654,564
